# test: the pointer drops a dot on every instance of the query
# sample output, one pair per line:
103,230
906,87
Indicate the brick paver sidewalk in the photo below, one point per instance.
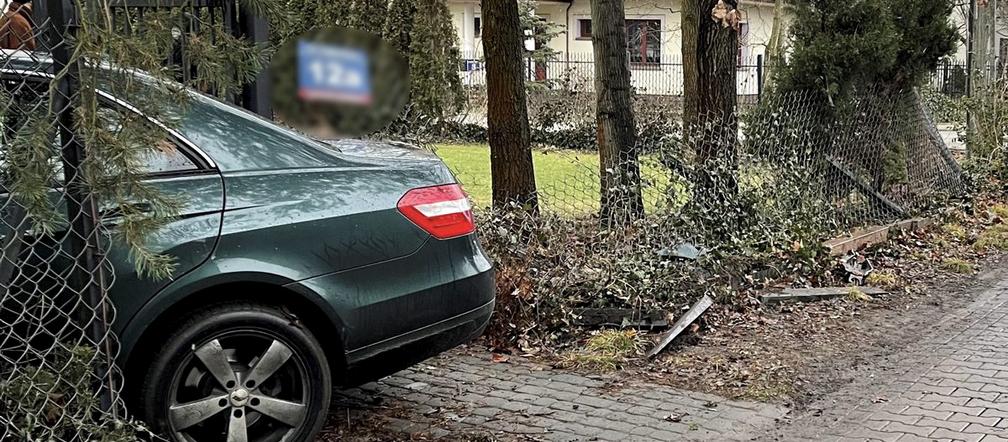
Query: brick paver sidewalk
459,394
953,385
950,385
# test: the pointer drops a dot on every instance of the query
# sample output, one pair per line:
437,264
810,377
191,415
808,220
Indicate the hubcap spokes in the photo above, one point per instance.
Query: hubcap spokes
276,355
238,393
287,412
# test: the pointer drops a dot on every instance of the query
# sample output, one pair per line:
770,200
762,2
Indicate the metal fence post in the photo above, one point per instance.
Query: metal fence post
945,77
85,246
759,78
256,95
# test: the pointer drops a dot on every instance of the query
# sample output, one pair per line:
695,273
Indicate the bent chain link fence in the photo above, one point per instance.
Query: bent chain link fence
874,159
794,172
58,379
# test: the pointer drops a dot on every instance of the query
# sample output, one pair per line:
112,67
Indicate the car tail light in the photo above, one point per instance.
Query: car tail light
443,211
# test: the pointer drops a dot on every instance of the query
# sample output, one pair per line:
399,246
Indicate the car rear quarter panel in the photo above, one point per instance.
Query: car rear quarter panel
284,226
190,239
336,233
306,223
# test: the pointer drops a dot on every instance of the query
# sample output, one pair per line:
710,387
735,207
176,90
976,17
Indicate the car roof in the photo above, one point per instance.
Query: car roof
234,138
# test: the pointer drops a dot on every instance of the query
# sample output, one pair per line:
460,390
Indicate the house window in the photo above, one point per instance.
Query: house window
644,41
477,27
584,27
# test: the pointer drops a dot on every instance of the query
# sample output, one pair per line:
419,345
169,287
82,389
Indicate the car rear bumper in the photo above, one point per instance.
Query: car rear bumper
402,311
392,355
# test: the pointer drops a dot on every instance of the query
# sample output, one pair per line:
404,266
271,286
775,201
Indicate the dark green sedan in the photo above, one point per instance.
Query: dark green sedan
301,266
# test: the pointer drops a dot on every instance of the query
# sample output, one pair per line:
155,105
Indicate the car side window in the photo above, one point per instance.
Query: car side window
29,95
165,156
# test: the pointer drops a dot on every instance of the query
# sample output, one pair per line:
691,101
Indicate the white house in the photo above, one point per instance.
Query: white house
991,28
653,34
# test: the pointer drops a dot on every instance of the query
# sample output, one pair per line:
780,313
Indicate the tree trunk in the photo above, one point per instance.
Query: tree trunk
620,199
983,45
775,47
710,123
508,131
691,70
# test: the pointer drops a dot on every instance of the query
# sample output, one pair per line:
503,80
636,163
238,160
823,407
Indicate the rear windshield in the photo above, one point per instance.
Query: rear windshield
235,138
240,140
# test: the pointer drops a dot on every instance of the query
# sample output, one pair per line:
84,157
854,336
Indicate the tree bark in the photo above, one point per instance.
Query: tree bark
983,45
775,47
710,122
690,24
620,199
508,131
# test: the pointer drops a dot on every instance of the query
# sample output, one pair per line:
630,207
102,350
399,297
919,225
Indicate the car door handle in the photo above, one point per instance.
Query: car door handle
116,212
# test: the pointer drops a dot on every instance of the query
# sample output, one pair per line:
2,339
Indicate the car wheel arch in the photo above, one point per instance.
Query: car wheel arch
305,312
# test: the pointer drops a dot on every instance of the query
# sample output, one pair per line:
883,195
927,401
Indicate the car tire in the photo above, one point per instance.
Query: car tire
235,365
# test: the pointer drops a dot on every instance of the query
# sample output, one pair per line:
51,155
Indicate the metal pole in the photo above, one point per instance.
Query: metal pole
84,241
992,46
970,35
945,78
970,71
759,78
242,23
230,12
256,96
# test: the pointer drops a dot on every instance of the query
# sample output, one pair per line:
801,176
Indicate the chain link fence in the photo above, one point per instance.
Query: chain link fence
725,205
874,159
89,107
58,375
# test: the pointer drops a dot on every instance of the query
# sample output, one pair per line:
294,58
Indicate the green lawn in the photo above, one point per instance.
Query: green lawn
567,180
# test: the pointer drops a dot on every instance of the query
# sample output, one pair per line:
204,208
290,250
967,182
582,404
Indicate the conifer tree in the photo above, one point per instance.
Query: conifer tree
421,30
305,15
710,57
434,57
220,63
840,46
399,26
542,30
368,15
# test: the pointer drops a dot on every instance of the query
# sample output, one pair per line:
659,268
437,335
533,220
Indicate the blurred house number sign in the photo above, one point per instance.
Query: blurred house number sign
334,74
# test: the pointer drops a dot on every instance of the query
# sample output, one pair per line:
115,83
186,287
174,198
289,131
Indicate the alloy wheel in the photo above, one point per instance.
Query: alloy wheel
241,386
